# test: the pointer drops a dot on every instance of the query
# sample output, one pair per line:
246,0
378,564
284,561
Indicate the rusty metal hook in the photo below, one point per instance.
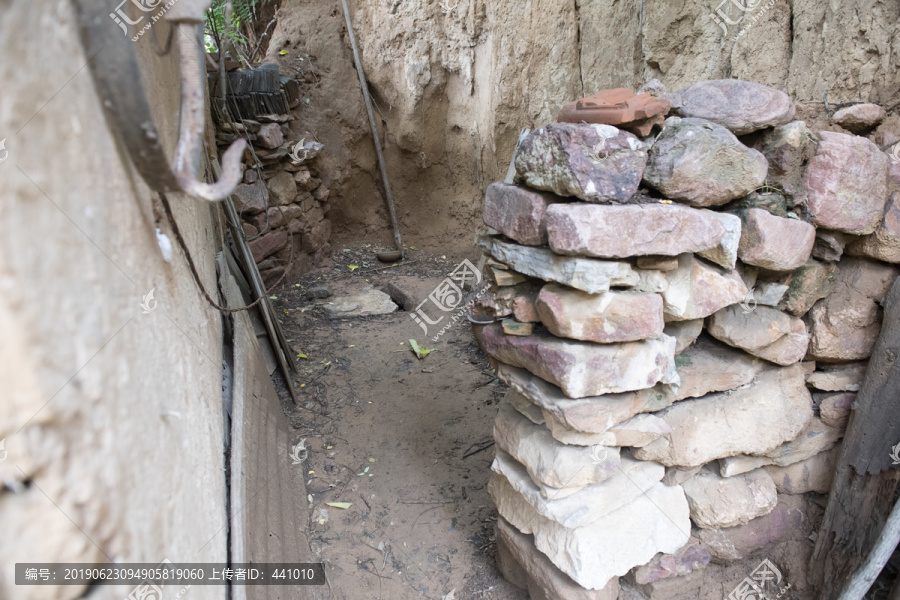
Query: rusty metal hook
193,123
117,77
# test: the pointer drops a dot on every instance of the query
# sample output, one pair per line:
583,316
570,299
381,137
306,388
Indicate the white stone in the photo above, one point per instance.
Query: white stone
594,414
656,521
815,438
590,503
718,502
697,289
587,274
725,254
756,418
814,474
548,461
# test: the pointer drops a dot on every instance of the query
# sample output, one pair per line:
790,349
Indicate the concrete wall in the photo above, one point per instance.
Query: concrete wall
112,419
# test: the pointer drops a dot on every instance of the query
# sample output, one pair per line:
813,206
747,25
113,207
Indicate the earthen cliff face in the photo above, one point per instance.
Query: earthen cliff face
454,81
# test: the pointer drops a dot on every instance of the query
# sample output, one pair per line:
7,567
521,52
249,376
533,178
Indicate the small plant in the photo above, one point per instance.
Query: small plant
232,26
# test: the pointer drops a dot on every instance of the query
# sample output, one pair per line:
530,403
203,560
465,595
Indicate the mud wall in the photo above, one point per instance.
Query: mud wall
111,418
455,80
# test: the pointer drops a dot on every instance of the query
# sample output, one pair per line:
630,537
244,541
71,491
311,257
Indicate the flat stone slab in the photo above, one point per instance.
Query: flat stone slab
584,369
525,566
846,183
703,164
587,274
815,474
634,230
741,106
815,438
765,332
846,377
718,502
736,543
656,521
636,432
592,502
361,302
604,318
549,462
709,366
517,212
529,409
775,243
756,419
697,289
595,163
596,414
859,118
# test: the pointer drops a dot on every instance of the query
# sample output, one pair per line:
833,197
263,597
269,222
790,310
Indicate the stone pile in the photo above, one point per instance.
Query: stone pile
683,321
283,199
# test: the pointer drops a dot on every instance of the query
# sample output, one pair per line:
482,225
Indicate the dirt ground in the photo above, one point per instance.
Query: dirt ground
406,441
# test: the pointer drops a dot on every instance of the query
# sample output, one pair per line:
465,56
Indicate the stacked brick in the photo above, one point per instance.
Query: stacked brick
683,321
283,199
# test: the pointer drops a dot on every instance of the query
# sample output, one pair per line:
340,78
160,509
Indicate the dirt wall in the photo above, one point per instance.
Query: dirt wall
455,80
111,414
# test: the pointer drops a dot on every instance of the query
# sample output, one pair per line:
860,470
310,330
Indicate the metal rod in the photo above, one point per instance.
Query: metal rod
368,101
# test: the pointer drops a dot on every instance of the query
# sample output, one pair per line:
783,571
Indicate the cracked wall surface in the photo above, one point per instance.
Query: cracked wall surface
111,416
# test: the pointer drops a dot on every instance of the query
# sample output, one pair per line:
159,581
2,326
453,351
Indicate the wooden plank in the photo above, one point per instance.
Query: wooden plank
264,504
864,483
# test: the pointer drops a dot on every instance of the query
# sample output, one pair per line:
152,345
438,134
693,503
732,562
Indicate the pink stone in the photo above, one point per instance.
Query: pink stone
596,163
859,118
764,332
634,230
689,558
585,369
698,289
517,212
741,106
736,543
884,244
268,244
846,183
834,409
845,325
603,318
270,136
775,243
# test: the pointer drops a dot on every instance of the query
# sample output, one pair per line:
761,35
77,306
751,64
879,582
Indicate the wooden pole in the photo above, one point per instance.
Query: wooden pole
864,578
865,481
375,136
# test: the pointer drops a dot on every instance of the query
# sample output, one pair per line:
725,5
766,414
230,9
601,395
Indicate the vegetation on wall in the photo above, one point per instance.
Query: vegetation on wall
234,25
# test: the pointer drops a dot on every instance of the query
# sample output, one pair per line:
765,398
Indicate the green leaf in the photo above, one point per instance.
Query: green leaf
283,52
353,267
301,355
341,505
420,352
